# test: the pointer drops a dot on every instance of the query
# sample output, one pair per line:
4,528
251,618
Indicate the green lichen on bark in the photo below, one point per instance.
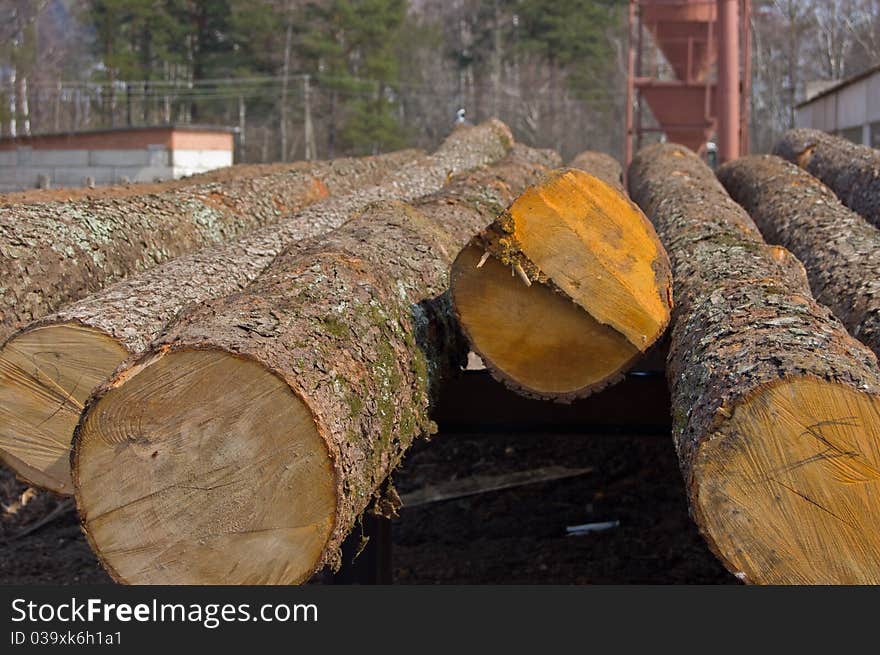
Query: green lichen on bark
839,248
57,252
744,316
370,386
134,311
850,170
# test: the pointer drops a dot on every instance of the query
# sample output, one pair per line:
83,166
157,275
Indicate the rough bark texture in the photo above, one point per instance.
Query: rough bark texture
744,317
728,283
135,310
357,324
601,165
237,172
59,252
46,373
851,170
839,249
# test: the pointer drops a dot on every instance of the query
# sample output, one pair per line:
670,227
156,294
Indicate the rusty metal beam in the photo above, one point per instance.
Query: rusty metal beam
728,80
696,38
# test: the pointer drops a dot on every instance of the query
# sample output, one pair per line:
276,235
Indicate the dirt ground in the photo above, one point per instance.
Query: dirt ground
510,536
518,535
52,553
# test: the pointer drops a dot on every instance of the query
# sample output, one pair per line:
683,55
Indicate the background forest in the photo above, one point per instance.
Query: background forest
323,78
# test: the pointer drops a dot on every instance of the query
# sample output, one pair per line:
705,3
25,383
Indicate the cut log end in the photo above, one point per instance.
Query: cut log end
46,374
577,288
220,476
599,249
787,488
533,338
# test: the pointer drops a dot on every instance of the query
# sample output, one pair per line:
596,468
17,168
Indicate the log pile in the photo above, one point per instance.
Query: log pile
775,407
839,249
850,170
224,175
48,369
287,404
567,288
57,252
234,409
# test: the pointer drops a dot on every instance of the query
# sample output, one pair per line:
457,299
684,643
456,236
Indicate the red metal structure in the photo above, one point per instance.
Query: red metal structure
689,62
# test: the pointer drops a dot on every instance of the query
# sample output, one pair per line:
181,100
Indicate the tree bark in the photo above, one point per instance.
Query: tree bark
601,165
236,173
55,253
774,405
839,249
341,341
567,289
852,171
47,373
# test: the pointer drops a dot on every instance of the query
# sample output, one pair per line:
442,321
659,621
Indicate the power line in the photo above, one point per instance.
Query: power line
135,86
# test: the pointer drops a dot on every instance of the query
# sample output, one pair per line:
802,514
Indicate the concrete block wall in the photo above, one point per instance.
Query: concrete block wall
156,157
53,158
23,167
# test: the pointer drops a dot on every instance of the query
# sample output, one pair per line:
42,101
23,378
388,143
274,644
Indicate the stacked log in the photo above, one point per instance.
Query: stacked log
850,170
839,249
567,288
774,405
226,174
601,165
49,369
285,405
59,252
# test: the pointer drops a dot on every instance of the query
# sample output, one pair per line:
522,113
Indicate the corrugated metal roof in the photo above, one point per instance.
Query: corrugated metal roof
840,85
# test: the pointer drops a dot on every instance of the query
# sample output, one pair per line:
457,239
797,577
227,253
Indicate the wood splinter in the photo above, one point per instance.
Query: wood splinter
522,275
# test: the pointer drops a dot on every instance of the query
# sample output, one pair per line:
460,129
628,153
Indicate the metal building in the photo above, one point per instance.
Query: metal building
850,108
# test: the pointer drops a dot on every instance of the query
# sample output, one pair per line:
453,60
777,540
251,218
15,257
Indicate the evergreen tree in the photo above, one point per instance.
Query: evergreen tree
573,35
351,45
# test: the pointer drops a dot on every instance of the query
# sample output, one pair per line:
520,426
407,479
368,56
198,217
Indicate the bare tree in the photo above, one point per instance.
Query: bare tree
863,23
835,38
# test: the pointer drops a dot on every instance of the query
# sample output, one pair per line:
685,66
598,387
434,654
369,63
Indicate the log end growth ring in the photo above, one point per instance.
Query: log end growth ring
565,290
204,467
534,338
788,488
598,248
46,374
